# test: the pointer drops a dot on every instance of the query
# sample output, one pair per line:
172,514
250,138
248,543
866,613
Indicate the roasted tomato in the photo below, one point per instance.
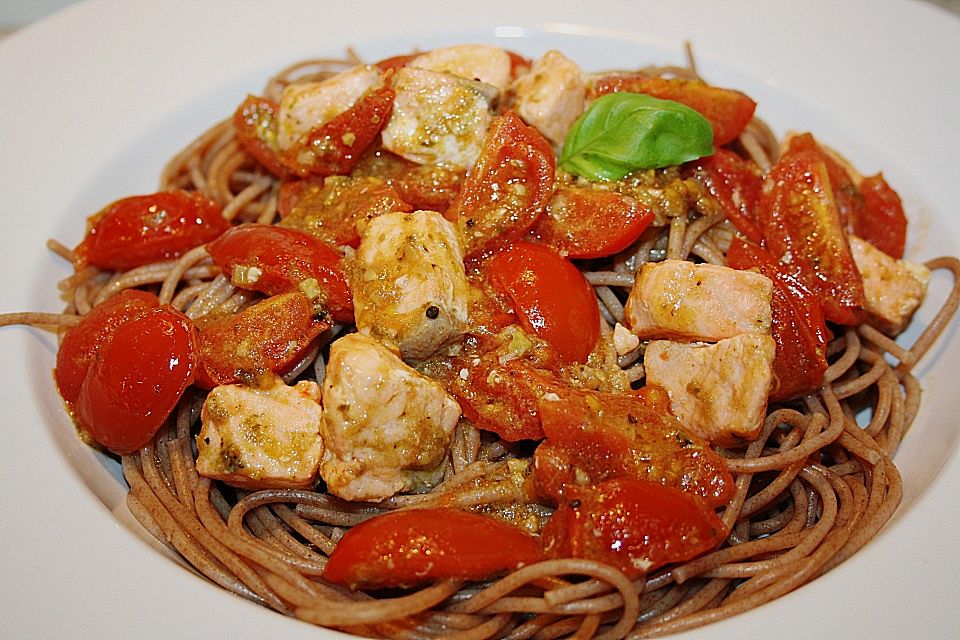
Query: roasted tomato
332,209
797,324
883,222
336,147
136,377
255,122
592,437
802,228
80,344
551,297
394,63
271,335
633,525
735,183
139,230
498,397
728,111
845,192
591,223
508,187
274,260
405,548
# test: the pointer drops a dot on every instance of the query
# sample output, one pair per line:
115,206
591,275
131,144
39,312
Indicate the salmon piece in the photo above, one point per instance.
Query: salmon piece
307,105
893,288
261,437
551,95
718,391
679,300
482,62
409,284
386,427
438,118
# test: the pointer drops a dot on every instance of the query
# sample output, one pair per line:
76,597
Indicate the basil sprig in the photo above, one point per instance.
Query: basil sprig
625,132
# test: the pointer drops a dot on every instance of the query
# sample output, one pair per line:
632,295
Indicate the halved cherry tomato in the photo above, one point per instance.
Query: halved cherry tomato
80,344
735,182
552,298
431,187
518,63
593,437
633,525
508,187
330,209
496,397
845,192
797,324
728,111
274,260
802,228
139,230
883,223
335,148
271,335
136,379
405,548
591,223
255,122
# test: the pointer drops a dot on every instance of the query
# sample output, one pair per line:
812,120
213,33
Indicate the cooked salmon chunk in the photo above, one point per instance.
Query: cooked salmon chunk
481,62
893,288
409,285
679,300
260,437
438,118
718,391
308,105
551,95
387,428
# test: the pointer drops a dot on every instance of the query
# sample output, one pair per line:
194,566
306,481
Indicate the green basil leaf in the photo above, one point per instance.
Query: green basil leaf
625,132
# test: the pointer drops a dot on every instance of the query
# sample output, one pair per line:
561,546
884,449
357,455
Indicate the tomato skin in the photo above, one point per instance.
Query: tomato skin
80,344
409,547
335,147
728,111
496,397
331,211
883,222
599,436
633,525
508,187
797,324
271,335
396,62
139,230
735,182
285,258
591,223
802,228
136,379
552,298
255,122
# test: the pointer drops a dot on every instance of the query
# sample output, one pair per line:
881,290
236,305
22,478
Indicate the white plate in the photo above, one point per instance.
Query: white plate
96,98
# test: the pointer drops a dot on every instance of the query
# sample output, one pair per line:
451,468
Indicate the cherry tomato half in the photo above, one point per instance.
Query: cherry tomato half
271,335
409,547
142,229
797,324
552,298
591,223
80,344
633,525
508,187
735,182
275,260
255,122
883,223
802,228
136,379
